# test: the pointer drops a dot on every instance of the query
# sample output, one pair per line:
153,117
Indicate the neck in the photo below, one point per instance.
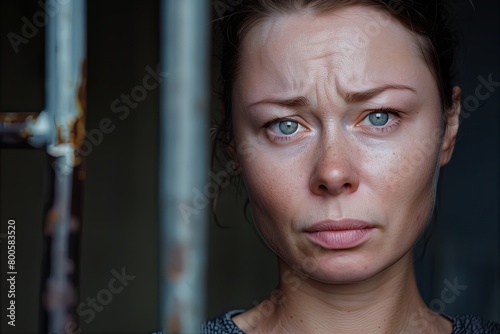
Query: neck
387,303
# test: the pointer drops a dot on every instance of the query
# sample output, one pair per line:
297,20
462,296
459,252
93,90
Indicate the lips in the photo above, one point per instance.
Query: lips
343,234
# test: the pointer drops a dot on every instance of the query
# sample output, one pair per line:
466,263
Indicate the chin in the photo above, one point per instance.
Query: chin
344,268
344,275
357,270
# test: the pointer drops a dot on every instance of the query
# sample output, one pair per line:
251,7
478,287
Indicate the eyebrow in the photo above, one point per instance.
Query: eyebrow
350,97
300,101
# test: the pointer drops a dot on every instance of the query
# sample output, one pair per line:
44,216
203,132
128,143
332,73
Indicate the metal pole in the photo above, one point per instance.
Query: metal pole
183,164
65,110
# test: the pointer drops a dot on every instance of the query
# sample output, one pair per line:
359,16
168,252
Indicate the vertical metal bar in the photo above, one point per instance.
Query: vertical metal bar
65,87
183,163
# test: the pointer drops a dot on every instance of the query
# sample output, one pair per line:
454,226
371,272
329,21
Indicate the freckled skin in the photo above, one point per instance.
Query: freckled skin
338,165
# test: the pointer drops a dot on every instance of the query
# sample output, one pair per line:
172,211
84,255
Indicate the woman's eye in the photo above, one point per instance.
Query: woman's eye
383,120
378,118
288,127
283,129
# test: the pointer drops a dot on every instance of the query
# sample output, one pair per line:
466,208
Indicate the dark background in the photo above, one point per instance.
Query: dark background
120,221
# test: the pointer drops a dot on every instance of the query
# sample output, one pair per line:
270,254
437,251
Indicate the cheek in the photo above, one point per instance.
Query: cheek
277,185
419,164
269,199
272,184
401,178
413,161
412,187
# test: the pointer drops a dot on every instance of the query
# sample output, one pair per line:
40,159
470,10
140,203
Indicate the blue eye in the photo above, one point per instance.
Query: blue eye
288,127
378,118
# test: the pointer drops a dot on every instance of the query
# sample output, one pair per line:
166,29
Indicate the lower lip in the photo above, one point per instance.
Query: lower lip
342,239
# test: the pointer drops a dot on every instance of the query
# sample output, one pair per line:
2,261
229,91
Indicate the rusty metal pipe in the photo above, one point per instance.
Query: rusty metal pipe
183,163
65,110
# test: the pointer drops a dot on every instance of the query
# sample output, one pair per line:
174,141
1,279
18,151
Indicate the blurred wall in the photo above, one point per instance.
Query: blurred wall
120,200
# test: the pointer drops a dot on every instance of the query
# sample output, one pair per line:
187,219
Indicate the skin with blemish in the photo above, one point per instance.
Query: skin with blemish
337,164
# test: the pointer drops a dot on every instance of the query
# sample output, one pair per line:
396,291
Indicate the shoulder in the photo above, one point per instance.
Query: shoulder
222,324
471,324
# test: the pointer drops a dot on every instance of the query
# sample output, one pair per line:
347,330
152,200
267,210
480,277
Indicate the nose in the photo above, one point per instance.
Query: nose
334,171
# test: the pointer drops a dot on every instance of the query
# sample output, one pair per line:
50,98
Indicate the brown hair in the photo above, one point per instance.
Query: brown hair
431,20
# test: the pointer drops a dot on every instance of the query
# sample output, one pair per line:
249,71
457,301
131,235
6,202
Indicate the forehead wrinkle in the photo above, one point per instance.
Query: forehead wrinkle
328,100
284,76
324,42
277,64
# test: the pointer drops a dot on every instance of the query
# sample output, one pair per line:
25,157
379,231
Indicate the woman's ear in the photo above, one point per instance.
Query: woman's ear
452,123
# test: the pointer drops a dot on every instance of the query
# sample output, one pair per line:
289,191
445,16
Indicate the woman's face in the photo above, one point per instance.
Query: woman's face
338,132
